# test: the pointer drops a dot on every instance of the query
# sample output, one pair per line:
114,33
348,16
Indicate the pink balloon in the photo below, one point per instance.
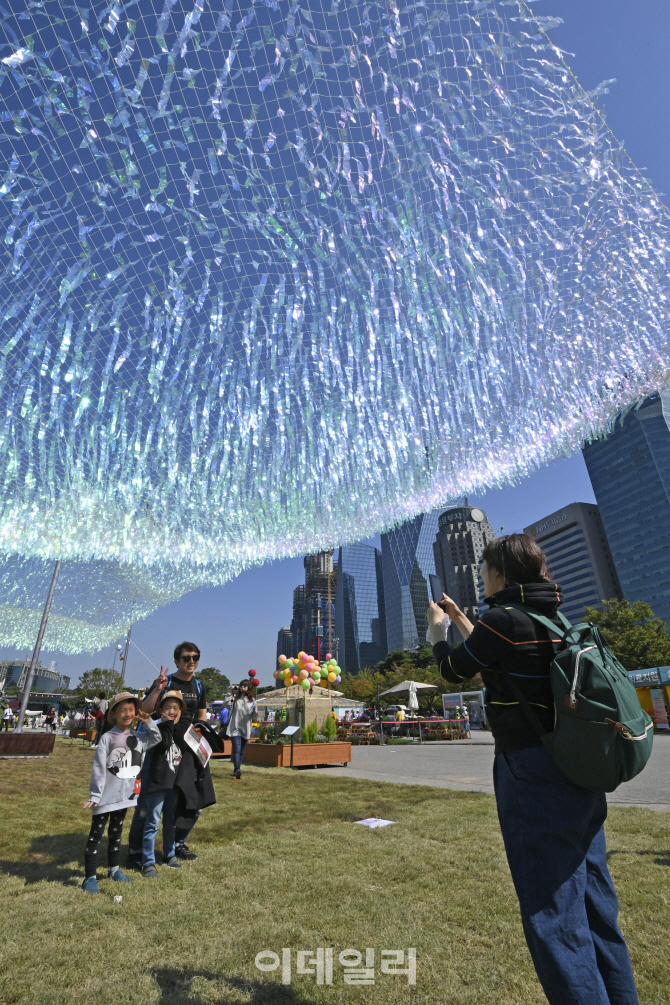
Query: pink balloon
303,674
329,656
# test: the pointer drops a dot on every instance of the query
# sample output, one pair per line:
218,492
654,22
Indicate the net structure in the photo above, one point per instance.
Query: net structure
276,275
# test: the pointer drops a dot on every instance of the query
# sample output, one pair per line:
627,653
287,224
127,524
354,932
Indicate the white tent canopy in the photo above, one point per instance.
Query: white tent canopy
406,686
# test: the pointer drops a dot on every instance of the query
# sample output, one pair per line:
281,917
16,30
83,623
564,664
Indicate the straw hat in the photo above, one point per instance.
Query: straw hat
122,696
177,695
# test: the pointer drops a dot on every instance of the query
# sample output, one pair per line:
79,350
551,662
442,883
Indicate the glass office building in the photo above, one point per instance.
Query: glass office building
46,679
630,475
578,557
463,533
312,627
360,620
284,648
407,561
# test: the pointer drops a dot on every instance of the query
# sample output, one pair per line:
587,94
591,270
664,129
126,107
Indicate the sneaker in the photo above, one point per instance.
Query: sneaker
173,862
238,773
120,877
149,871
183,851
90,885
134,861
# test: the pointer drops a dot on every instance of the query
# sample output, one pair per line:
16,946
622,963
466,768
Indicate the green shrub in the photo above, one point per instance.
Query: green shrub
329,728
309,733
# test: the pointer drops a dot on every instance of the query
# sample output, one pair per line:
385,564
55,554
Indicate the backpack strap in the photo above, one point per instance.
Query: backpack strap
170,686
543,620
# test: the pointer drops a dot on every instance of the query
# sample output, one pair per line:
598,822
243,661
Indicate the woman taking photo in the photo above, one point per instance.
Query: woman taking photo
242,710
551,828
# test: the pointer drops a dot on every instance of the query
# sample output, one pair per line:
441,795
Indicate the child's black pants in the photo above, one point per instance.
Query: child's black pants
116,818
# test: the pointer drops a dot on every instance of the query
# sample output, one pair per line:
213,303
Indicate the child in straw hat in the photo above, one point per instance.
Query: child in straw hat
115,782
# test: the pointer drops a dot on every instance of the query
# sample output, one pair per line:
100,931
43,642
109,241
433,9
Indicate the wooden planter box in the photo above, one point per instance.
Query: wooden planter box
227,750
25,745
275,755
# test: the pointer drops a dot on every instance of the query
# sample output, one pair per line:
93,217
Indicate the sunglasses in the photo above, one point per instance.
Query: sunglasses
189,659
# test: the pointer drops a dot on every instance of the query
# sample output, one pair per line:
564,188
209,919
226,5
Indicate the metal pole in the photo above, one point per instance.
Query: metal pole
125,655
36,651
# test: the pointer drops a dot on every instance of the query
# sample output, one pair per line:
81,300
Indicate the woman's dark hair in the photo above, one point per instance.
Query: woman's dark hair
102,695
186,647
518,559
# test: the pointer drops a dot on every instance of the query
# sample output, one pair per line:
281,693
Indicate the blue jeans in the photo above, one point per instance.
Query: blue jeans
139,816
555,845
164,800
239,743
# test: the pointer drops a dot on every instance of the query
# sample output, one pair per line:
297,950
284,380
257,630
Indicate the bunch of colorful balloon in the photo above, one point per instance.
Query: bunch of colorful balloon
304,668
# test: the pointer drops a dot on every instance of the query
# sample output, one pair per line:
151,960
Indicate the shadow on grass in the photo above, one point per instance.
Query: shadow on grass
48,857
176,989
663,856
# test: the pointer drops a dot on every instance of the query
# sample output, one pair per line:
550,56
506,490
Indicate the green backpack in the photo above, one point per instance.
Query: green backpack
601,736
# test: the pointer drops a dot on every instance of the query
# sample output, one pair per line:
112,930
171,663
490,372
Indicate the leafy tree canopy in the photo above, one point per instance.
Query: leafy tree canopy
400,665
637,637
216,683
93,682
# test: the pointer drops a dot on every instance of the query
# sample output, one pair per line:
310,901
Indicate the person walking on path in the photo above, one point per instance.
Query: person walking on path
8,719
552,829
115,782
194,782
242,711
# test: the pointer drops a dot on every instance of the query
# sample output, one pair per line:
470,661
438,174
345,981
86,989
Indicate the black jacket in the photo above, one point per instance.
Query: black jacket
165,760
509,640
196,789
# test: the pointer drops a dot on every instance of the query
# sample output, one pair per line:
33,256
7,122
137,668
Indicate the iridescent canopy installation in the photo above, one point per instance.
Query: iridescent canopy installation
279,274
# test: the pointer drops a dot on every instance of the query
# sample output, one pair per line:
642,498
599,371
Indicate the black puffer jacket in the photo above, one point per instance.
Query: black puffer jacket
507,639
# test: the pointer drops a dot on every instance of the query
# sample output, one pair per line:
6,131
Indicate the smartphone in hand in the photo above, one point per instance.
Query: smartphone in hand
436,589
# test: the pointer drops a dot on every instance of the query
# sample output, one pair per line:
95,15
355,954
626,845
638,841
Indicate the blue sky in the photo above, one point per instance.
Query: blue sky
236,625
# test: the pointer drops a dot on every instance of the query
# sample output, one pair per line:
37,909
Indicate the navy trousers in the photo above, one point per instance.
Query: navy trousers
555,845
238,745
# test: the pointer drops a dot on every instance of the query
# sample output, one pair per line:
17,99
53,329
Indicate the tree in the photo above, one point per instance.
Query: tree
400,665
216,683
93,682
637,637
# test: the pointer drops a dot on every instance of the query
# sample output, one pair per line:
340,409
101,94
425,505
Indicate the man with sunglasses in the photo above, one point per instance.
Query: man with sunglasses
186,658
196,784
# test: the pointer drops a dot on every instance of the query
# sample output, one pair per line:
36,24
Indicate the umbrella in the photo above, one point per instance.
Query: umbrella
413,701
407,685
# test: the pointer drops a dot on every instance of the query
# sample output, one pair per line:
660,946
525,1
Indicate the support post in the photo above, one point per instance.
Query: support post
125,655
36,651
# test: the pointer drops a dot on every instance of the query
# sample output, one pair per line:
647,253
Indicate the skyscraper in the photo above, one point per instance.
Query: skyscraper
284,644
578,556
407,561
463,533
360,619
313,623
298,621
630,475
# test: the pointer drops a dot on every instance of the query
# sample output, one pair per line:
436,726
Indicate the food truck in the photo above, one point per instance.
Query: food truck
653,690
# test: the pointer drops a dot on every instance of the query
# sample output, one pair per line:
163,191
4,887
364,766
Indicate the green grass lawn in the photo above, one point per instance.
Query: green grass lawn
281,865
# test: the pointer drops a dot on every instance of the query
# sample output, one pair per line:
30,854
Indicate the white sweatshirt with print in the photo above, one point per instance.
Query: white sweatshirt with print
115,781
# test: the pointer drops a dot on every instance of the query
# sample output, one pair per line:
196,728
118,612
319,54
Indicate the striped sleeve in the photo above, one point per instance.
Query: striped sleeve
480,651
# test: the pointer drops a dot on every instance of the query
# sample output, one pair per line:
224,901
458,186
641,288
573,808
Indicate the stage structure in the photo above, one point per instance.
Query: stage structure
278,275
